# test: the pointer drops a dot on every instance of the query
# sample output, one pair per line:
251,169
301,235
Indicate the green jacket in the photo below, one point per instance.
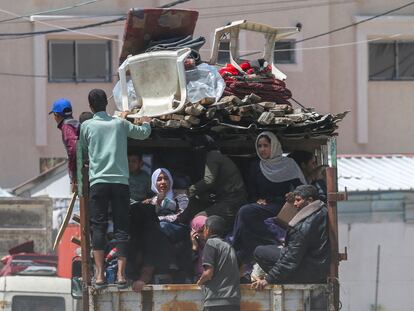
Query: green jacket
103,139
221,177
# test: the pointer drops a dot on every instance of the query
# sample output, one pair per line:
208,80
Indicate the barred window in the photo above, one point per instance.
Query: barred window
285,52
79,61
392,60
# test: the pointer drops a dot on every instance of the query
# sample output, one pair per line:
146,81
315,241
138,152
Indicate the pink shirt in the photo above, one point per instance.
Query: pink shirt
69,128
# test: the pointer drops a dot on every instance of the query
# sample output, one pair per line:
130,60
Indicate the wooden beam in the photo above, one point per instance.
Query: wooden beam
85,239
332,187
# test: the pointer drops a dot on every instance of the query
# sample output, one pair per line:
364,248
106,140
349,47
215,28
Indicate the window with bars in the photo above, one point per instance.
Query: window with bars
284,52
79,61
392,60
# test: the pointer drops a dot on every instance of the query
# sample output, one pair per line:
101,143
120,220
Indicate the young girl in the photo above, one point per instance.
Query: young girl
168,205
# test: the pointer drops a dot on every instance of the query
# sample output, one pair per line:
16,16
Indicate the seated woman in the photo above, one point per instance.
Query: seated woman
150,251
270,179
154,236
168,205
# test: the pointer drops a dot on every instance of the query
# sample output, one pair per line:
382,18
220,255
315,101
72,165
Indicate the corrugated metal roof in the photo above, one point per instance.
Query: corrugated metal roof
5,194
376,172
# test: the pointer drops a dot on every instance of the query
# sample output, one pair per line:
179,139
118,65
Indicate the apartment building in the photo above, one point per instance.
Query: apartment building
366,69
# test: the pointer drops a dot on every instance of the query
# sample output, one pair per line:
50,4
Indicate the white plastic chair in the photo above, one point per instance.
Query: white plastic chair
271,34
159,81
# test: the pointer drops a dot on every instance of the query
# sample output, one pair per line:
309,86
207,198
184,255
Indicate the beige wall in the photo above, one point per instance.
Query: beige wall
19,156
22,220
327,79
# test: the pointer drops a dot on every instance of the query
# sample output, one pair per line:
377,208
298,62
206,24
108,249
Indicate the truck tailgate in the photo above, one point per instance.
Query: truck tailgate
188,298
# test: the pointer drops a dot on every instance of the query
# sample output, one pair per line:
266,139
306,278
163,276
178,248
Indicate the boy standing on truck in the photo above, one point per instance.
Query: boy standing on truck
220,280
62,112
104,139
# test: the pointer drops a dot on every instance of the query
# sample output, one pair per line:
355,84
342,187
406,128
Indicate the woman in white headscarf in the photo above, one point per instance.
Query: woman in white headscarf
168,205
270,179
273,175
154,235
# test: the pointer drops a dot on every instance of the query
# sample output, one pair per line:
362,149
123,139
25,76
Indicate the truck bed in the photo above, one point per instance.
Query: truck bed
315,297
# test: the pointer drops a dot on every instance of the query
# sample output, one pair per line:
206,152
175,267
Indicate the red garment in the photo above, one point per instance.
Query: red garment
229,69
69,128
258,81
245,66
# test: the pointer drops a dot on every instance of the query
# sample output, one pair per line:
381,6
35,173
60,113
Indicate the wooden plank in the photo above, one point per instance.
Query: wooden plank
193,120
172,124
251,99
268,105
194,110
266,118
235,118
331,183
230,100
177,117
85,239
207,101
185,124
65,220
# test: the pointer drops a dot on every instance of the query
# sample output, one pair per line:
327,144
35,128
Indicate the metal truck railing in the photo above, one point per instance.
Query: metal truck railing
315,297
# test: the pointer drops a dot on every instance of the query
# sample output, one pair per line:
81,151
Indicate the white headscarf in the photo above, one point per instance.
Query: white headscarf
278,168
168,204
154,178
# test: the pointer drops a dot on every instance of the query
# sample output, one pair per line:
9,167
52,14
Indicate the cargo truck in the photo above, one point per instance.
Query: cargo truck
235,134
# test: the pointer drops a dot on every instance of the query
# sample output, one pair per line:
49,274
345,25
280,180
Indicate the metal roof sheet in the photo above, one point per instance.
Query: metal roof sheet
376,172
5,194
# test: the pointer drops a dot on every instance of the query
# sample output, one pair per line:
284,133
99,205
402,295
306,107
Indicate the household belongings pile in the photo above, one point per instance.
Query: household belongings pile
168,81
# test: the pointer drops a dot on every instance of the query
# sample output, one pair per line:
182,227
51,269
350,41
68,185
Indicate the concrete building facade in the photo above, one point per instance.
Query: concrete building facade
330,73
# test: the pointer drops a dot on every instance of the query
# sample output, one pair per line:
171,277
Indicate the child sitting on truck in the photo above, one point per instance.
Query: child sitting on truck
139,180
220,280
197,243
